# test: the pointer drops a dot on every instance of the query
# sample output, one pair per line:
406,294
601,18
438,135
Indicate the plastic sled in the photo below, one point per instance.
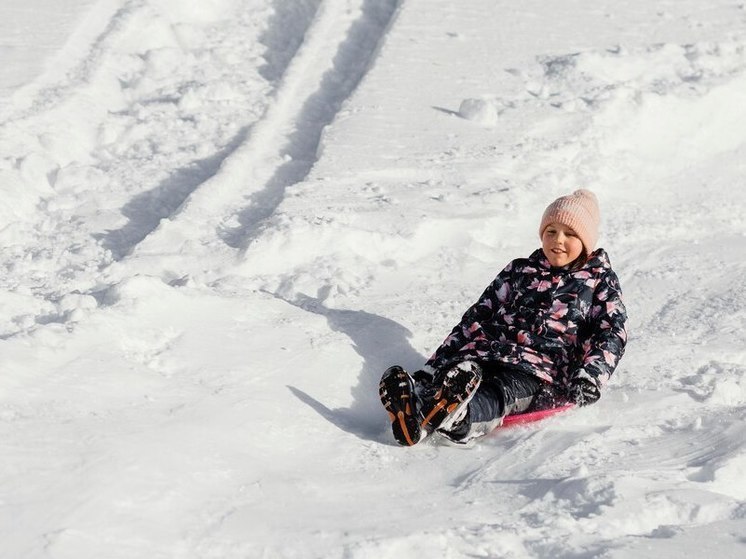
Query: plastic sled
532,416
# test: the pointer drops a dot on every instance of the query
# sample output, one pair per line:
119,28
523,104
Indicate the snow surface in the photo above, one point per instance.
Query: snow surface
221,220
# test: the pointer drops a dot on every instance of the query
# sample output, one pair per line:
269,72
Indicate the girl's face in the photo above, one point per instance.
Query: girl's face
560,244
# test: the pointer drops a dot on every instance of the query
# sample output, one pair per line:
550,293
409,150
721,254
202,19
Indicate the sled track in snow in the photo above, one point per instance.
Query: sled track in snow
282,38
351,62
52,95
336,52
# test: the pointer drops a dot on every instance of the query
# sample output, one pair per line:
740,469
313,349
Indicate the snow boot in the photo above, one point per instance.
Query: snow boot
450,403
397,392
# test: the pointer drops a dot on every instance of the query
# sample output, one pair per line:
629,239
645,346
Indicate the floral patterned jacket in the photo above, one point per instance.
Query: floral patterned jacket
552,322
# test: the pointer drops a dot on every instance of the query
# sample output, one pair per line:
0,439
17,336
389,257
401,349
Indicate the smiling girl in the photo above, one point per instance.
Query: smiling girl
550,328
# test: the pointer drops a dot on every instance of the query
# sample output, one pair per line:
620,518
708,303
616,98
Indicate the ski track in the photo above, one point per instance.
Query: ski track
50,96
148,210
350,63
337,49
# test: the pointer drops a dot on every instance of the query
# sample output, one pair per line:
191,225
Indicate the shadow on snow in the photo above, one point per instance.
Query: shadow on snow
381,342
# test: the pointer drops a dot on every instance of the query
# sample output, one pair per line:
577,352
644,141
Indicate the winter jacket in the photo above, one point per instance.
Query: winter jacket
552,322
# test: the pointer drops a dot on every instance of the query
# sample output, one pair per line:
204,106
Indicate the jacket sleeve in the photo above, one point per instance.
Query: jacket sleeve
469,329
605,344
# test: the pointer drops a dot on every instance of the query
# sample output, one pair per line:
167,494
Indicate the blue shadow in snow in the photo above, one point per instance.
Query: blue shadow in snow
381,342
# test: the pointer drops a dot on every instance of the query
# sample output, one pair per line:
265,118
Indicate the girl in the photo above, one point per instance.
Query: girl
549,328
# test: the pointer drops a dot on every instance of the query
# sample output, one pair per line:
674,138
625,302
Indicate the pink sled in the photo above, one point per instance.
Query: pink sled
530,417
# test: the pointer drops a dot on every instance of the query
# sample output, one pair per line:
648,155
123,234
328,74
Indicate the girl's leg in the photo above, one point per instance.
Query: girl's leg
453,390
502,392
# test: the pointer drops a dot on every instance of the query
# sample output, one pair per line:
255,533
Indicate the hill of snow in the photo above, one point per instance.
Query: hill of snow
221,221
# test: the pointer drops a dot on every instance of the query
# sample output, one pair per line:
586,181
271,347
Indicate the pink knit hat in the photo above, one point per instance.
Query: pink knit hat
578,211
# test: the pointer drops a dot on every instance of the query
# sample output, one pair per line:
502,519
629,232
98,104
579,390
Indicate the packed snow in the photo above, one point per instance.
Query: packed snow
222,220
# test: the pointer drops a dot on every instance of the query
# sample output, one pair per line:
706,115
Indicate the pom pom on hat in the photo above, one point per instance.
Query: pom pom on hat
578,211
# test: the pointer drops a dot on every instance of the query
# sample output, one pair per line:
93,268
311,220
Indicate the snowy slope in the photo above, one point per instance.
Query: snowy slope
221,221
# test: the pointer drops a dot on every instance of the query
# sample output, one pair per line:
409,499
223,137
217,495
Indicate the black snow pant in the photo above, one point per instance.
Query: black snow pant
503,391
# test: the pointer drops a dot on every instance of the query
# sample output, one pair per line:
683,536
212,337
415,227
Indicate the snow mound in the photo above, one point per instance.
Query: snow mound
480,111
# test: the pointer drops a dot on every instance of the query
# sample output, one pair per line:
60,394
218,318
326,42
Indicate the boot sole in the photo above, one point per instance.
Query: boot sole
397,396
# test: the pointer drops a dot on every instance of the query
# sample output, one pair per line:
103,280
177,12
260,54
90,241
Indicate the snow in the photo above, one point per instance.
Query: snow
221,221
